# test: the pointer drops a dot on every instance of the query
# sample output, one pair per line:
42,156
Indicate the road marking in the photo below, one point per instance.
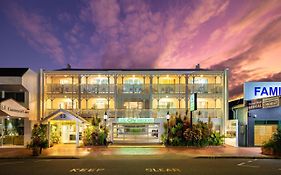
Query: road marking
163,170
240,164
243,164
279,169
11,163
86,170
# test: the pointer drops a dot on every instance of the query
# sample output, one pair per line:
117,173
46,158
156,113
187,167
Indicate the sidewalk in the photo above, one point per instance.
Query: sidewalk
70,151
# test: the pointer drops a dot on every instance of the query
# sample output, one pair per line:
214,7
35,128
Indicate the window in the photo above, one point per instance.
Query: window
18,96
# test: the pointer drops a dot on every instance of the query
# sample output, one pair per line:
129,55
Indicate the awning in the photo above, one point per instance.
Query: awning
12,108
63,115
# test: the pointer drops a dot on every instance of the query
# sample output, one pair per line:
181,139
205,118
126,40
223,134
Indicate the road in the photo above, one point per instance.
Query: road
140,165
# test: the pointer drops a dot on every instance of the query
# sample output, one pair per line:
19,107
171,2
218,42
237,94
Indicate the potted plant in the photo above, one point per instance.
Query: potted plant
38,139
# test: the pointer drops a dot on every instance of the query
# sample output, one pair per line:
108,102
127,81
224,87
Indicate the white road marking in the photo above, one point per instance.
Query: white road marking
240,164
11,163
279,169
250,161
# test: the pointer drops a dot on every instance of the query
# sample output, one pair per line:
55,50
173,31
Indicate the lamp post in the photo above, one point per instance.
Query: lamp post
105,117
168,126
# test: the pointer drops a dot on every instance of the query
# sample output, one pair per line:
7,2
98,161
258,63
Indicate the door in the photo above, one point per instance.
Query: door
263,133
65,134
136,133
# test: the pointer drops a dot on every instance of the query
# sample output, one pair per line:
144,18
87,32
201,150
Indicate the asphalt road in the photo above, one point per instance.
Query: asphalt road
140,165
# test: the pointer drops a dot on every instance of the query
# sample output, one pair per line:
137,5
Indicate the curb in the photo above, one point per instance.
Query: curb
235,157
42,157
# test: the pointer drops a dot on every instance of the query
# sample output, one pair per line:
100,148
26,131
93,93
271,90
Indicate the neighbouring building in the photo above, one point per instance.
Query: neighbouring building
136,101
18,105
258,113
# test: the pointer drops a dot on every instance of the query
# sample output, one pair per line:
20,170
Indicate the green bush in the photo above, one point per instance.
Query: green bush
215,139
274,142
38,139
180,133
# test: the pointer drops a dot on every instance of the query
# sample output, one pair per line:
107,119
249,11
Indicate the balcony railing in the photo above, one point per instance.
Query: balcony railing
143,113
133,89
62,88
204,88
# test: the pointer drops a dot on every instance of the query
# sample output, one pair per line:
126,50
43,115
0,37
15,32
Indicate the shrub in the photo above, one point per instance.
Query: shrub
38,139
215,139
274,142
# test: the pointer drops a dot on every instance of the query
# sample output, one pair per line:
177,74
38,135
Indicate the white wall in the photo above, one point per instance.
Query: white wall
31,82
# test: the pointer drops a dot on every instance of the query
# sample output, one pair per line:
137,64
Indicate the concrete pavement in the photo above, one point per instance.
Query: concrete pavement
70,151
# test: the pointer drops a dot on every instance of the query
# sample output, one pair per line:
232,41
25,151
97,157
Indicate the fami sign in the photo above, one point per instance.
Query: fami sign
255,90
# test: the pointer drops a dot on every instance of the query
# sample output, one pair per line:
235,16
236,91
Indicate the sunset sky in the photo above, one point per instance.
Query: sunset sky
242,35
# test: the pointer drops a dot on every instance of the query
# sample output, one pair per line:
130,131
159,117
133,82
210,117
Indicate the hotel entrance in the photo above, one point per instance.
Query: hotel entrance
136,133
65,127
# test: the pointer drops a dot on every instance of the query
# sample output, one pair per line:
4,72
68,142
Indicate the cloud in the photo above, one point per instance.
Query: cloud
37,31
246,66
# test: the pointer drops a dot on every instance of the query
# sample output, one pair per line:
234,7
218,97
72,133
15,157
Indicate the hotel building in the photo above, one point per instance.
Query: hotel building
136,101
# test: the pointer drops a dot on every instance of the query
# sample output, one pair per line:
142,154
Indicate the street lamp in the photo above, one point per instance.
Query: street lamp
168,126
105,117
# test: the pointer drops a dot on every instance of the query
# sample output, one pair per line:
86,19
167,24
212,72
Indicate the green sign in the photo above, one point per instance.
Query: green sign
193,102
135,120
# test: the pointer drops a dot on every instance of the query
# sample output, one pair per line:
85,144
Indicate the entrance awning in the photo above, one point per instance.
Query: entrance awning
63,115
12,108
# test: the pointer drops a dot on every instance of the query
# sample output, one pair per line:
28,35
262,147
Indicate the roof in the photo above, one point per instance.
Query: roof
62,111
137,69
12,72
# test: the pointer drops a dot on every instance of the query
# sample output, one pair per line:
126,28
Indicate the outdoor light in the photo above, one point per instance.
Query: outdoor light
168,116
105,117
168,126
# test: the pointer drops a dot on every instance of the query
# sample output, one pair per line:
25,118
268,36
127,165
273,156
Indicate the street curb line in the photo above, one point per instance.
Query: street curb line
43,157
234,157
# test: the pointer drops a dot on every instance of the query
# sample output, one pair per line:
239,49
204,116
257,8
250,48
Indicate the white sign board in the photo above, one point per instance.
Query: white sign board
13,108
255,90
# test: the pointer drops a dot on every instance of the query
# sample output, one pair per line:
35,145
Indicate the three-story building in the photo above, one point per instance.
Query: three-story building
136,101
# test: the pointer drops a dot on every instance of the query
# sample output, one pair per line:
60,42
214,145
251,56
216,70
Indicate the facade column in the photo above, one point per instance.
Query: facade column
108,91
115,95
79,93
77,134
72,89
49,133
186,92
150,91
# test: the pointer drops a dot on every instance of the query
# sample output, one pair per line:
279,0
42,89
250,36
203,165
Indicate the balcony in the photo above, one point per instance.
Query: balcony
62,88
169,89
97,88
205,88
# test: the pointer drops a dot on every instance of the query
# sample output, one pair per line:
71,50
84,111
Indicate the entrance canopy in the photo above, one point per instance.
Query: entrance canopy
12,108
64,115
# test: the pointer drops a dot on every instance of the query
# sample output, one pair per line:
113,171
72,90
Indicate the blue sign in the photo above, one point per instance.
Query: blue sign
255,90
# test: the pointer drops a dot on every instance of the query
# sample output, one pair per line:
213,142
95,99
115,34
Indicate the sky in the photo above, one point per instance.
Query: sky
241,35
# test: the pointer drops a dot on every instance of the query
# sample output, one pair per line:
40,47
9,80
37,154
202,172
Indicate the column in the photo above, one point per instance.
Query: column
49,133
115,95
79,92
72,89
77,134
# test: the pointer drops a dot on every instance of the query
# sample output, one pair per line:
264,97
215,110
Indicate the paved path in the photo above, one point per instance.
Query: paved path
71,150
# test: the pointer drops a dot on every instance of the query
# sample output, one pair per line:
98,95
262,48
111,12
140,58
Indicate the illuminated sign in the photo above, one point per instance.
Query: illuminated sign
135,120
255,90
193,102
